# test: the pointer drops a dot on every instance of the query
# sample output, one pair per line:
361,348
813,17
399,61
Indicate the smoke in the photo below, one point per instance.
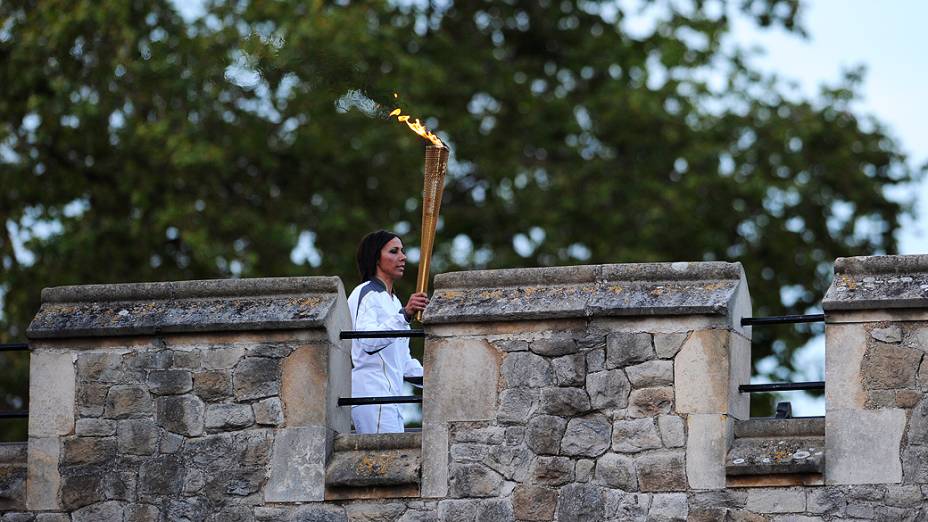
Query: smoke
356,99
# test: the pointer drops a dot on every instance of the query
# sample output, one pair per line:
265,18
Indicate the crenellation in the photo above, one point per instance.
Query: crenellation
578,393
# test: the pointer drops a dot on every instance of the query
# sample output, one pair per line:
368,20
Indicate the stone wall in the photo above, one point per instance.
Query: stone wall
581,393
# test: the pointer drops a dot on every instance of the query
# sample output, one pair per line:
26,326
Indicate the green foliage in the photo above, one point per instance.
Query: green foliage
137,146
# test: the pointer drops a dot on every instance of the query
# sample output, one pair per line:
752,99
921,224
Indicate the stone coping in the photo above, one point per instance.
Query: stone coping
185,306
878,282
634,289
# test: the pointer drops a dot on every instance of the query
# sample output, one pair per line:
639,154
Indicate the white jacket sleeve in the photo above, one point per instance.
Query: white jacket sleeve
371,317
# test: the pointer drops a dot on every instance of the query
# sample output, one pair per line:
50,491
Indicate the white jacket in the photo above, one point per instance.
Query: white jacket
379,364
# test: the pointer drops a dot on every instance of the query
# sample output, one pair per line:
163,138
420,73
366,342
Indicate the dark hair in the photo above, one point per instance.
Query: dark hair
369,252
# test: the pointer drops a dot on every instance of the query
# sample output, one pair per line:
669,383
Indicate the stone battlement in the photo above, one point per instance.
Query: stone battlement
603,392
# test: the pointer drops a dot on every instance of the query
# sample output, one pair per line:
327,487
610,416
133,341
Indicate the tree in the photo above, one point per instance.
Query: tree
138,146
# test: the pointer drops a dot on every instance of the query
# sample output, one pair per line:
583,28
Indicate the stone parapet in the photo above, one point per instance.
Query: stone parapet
627,290
876,339
185,307
878,283
184,399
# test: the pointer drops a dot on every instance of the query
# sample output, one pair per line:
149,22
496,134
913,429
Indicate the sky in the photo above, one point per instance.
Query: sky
889,38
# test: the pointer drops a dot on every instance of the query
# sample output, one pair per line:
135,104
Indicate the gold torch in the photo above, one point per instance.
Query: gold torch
436,164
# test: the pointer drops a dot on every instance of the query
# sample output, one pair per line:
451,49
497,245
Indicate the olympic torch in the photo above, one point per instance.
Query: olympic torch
436,164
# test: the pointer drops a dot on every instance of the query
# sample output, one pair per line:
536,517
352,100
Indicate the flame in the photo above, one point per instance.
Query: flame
416,126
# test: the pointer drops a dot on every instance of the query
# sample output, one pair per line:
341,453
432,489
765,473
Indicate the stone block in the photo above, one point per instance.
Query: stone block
596,360
845,345
702,373
661,471
120,486
511,345
434,460
672,430
43,478
304,388
534,503
616,471
608,389
587,436
465,452
473,480
512,462
268,412
212,385
142,513
82,489
516,405
583,470
886,366
776,500
650,374
495,510
137,437
624,349
634,435
650,402
570,370
374,512
863,446
128,400
457,510
581,502
668,506
182,414
543,434
563,401
110,511
451,398
632,507
918,424
90,451
171,442
915,464
229,416
666,345
554,347
51,393
161,476
99,366
256,377
91,427
909,495
52,517
187,359
298,465
825,500
891,334
524,369
169,382
706,445
149,359
221,358
91,398
551,471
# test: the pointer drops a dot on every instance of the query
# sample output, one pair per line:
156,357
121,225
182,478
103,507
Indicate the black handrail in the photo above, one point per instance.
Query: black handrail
380,334
781,386
14,347
782,319
388,399
15,414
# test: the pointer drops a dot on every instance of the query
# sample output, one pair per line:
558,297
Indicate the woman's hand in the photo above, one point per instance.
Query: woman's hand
417,302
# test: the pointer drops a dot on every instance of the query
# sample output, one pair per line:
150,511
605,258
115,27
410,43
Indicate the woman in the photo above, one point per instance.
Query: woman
381,364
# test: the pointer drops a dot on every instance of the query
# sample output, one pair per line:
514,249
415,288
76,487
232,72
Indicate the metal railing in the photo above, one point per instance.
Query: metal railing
387,399
14,347
782,386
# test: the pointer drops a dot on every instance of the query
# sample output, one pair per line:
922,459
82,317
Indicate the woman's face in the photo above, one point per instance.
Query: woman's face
392,262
